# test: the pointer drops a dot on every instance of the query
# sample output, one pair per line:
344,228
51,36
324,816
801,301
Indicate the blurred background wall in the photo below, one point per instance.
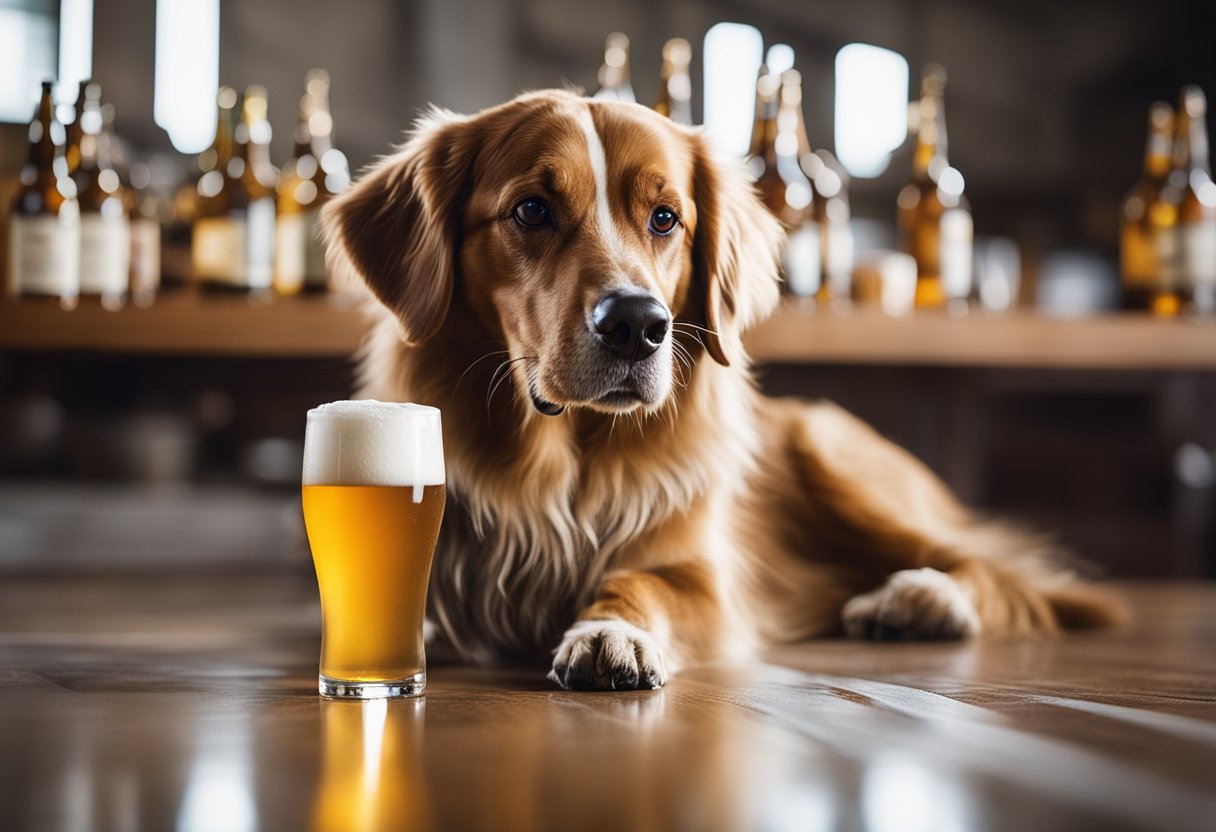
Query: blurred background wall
1046,108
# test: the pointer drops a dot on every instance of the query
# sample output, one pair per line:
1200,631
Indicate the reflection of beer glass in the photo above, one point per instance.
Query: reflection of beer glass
371,774
373,501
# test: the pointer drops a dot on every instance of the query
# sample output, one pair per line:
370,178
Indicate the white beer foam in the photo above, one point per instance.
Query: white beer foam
374,443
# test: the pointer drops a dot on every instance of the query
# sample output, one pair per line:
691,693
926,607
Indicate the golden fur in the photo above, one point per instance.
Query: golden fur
697,520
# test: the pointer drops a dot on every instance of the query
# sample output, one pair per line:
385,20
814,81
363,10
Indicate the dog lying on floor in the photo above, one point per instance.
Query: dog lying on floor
568,281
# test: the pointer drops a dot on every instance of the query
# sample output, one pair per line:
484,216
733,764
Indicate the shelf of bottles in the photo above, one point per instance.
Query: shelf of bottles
83,232
242,256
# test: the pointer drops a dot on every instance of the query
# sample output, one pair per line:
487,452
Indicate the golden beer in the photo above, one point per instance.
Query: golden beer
373,497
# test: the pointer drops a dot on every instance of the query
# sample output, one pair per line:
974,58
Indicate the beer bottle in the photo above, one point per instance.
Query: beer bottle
935,224
614,74
784,188
44,217
316,172
1142,271
233,237
142,213
1195,192
675,84
105,230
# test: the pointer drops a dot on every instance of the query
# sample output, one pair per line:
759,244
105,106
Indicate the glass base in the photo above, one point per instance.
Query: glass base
395,689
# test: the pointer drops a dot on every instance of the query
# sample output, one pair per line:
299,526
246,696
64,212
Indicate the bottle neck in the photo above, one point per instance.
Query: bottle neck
314,131
43,147
764,124
89,119
930,158
1157,152
1194,155
790,122
222,145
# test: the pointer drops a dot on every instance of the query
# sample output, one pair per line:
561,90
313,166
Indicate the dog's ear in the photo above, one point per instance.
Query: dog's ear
398,227
735,245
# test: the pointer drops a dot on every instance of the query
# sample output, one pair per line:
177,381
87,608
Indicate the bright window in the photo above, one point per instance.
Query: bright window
871,107
27,55
732,60
187,71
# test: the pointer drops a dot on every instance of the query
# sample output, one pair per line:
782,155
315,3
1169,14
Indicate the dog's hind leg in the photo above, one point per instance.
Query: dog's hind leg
933,568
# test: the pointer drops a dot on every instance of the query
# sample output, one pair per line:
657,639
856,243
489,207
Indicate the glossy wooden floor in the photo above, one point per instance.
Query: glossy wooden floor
189,704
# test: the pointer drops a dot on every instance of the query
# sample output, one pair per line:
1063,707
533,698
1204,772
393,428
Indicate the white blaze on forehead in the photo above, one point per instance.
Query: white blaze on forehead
374,443
599,167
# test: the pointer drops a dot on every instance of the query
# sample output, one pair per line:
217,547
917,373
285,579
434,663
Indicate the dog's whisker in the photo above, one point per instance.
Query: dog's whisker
693,326
476,361
501,374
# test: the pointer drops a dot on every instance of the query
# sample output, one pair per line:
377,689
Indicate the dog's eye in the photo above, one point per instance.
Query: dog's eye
663,221
532,212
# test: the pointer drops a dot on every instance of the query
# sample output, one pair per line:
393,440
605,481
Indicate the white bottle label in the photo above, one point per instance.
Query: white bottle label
259,243
105,253
145,256
44,254
956,253
800,260
299,253
838,257
1198,254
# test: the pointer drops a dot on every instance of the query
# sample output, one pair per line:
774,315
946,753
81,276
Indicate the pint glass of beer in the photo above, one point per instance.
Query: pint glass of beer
373,501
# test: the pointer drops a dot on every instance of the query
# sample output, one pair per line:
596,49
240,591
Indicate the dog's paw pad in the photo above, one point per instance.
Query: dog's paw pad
608,655
912,604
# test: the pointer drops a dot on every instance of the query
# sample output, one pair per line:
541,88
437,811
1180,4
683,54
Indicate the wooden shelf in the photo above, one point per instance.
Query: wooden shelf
187,323
190,324
1124,341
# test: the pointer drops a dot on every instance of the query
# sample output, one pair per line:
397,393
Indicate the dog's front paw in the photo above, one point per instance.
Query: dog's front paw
912,604
608,655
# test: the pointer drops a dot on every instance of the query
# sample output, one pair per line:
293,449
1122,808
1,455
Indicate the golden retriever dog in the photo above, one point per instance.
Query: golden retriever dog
568,280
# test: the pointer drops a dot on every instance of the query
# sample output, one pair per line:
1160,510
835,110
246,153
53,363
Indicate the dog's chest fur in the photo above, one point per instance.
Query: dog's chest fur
520,555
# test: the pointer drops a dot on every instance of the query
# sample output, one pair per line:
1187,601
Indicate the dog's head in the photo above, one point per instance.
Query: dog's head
588,235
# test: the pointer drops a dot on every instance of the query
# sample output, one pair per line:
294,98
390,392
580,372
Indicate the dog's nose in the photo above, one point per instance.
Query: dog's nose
632,326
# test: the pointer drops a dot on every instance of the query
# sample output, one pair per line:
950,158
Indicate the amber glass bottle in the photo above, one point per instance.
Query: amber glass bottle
233,238
935,224
316,172
614,74
1191,180
675,84
105,230
1144,216
44,218
783,186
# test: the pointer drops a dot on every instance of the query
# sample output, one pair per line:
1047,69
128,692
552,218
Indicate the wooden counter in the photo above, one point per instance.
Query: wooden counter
187,323
189,703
